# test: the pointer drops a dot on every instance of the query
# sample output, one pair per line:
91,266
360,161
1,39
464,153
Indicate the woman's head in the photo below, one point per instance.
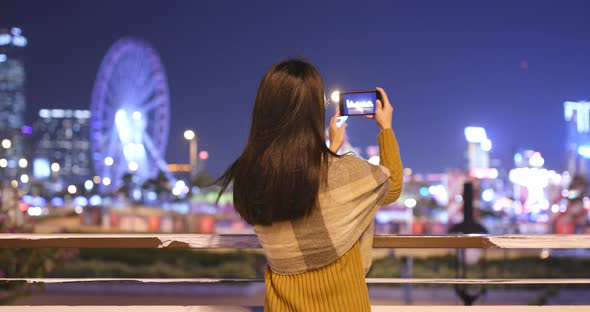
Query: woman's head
290,97
278,175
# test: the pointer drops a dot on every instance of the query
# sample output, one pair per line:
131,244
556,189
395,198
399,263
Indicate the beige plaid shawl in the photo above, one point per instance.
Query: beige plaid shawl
345,215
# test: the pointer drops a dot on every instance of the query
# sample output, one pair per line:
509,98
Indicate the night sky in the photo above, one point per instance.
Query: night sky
505,65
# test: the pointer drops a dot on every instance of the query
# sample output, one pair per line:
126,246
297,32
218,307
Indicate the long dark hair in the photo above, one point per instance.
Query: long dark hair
278,175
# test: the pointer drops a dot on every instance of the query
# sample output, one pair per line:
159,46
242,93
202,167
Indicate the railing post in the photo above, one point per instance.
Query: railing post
407,272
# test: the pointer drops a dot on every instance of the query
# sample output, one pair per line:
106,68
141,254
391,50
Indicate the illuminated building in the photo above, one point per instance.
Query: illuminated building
478,148
577,116
62,138
12,101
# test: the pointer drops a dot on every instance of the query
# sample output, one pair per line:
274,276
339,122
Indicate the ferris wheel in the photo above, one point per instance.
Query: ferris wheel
130,114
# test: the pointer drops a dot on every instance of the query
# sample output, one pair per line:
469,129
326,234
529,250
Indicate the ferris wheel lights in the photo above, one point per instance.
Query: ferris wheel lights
120,118
189,134
133,166
108,161
121,113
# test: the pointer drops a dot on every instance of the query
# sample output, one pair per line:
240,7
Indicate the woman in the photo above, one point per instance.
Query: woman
312,209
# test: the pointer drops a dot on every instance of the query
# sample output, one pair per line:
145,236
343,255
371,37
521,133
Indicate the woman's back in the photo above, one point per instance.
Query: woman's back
313,210
319,263
346,208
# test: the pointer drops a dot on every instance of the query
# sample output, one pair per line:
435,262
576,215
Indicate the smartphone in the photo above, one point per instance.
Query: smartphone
357,103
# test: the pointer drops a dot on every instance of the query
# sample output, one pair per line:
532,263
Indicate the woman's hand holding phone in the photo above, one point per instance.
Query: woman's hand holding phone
336,133
383,111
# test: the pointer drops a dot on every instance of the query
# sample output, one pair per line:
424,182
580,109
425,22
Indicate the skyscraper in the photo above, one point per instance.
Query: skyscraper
62,145
12,102
478,148
577,116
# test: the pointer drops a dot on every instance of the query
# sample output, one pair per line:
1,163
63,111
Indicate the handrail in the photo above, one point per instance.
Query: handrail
377,308
249,241
494,281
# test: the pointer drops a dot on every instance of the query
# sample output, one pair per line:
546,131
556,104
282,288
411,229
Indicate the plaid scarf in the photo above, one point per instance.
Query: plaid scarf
344,215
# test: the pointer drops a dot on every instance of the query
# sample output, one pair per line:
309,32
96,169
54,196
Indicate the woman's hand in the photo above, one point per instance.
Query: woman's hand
383,111
336,133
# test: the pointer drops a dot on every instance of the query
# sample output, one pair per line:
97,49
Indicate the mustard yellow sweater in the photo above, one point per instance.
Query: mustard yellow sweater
340,284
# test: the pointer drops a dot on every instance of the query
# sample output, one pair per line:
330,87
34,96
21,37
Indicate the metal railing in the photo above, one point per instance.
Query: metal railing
206,241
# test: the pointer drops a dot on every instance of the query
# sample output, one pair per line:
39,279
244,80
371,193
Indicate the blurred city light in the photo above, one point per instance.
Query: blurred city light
537,160
179,188
584,151
484,173
23,163
6,143
24,178
80,201
424,191
204,155
34,211
410,203
106,181
3,163
95,200
88,185
487,195
152,196
55,167
72,189
57,201
374,160
136,194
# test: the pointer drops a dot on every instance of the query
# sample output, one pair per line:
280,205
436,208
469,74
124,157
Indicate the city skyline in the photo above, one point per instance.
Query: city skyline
485,73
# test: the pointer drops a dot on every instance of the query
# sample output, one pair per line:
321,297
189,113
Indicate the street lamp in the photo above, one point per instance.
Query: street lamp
190,136
335,96
469,259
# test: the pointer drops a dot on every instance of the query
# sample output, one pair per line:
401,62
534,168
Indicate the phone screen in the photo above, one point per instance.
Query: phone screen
358,103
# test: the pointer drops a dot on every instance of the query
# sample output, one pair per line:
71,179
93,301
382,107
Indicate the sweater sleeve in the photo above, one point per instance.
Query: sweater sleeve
390,159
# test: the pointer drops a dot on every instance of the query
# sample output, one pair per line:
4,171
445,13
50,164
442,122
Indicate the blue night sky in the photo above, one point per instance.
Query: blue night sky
505,65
